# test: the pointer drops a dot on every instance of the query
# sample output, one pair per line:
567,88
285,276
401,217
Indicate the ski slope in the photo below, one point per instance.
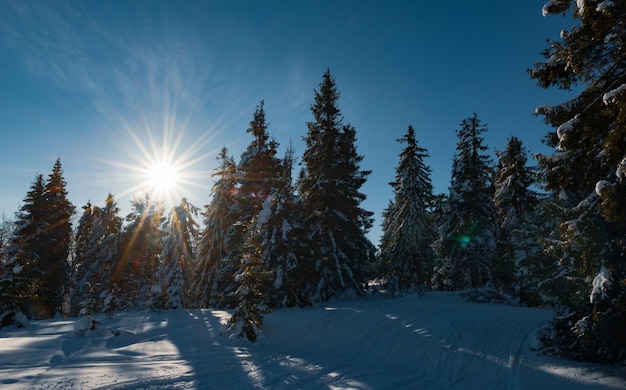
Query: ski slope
435,341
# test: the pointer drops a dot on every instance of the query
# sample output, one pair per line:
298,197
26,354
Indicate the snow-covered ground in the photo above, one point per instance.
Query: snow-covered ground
435,341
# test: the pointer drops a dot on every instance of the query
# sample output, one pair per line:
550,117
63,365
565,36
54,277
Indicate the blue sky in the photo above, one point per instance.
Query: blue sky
112,86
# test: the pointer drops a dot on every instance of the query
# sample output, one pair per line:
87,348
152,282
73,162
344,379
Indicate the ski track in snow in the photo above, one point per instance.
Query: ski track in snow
435,341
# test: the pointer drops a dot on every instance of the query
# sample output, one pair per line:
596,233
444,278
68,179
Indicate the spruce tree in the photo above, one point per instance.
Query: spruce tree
467,243
253,284
96,255
213,272
19,277
179,255
282,245
27,246
408,231
586,174
58,233
329,188
136,271
514,200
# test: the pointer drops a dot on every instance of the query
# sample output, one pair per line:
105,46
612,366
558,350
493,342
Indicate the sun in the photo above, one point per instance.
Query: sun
163,176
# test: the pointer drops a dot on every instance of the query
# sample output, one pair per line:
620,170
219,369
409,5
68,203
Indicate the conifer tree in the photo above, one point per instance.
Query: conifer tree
586,175
179,255
514,200
18,277
280,238
467,242
329,188
253,281
136,271
408,232
58,233
27,246
97,253
214,246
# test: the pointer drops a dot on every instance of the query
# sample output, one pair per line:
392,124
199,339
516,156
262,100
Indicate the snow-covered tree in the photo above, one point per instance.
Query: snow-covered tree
179,255
97,251
467,243
329,188
514,200
408,231
136,271
586,173
54,264
253,285
213,272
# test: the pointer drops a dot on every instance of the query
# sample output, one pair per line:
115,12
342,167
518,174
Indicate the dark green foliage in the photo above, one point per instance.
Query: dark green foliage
514,200
408,230
329,188
40,244
467,246
135,272
587,174
254,284
58,233
213,272
179,255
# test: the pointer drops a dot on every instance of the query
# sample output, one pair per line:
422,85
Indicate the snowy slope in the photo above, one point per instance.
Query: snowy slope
431,342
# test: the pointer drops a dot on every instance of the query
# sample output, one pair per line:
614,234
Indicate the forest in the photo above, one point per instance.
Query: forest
551,233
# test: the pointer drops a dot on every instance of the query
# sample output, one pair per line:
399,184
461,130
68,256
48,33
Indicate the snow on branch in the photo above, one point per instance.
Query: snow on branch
601,283
611,97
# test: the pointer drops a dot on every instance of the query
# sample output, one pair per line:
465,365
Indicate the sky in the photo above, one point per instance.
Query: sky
114,88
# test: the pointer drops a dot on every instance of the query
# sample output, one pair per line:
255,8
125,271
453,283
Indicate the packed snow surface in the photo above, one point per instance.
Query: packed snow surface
436,341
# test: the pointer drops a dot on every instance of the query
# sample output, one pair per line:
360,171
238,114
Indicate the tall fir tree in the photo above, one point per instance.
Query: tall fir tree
280,238
514,200
329,188
467,243
213,272
586,175
97,251
179,255
26,248
136,271
58,234
408,229
19,277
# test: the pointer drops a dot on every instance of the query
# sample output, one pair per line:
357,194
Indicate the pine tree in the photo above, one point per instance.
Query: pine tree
329,188
96,254
467,242
586,174
281,240
514,200
26,248
253,281
179,255
213,272
408,232
58,233
135,273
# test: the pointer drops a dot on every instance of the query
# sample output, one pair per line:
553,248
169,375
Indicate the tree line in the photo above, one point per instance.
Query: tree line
551,234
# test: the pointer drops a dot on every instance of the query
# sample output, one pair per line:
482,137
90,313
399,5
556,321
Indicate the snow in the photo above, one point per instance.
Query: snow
17,269
432,341
566,127
611,96
600,284
545,10
600,186
603,6
620,172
